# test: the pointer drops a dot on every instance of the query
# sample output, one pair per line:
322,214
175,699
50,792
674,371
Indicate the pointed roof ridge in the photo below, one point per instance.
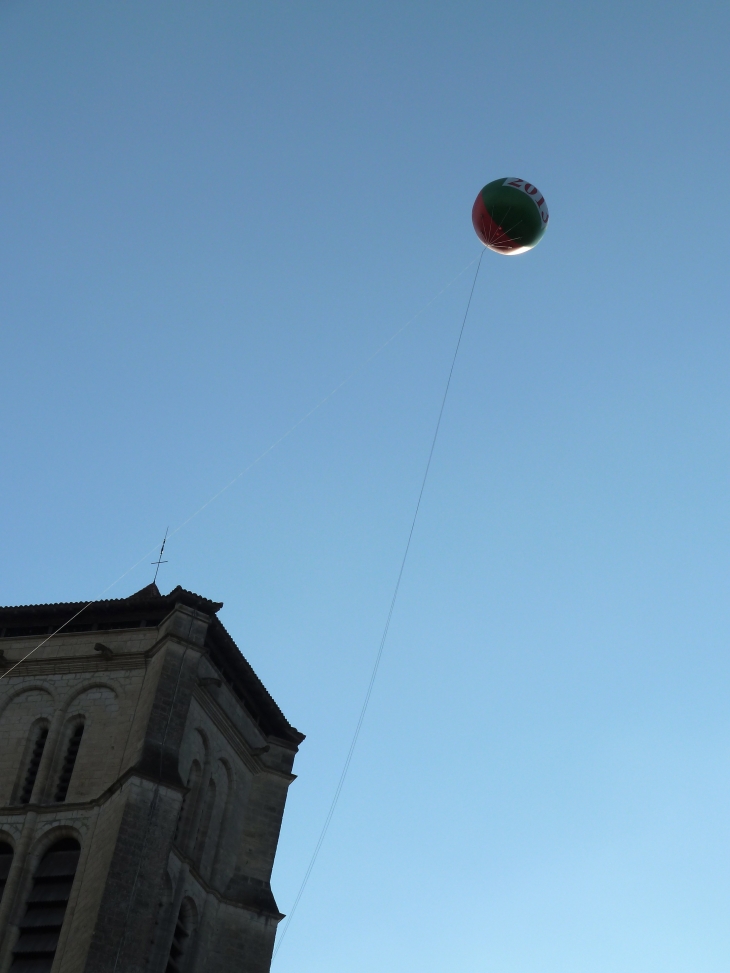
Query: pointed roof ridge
149,591
191,598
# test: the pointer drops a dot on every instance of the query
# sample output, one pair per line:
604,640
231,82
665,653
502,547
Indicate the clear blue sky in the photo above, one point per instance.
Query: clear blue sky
210,214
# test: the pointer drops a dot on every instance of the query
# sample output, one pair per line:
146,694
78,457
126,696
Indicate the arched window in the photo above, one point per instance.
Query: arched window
40,927
224,795
40,731
6,860
182,937
189,803
69,760
204,823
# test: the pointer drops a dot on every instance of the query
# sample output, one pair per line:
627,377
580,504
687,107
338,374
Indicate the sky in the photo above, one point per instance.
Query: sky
211,216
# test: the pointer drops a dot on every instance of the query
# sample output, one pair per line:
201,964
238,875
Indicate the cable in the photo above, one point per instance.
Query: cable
250,466
326,398
379,655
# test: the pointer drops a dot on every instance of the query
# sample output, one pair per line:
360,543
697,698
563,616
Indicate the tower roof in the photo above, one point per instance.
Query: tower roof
147,608
149,596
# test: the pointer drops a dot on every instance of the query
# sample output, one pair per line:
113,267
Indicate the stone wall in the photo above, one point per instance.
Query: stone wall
176,796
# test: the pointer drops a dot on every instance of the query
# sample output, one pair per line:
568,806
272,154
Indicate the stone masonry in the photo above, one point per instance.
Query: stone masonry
144,770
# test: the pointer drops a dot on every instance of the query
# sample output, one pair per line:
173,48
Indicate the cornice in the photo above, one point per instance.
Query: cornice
95,663
83,663
215,712
14,810
209,890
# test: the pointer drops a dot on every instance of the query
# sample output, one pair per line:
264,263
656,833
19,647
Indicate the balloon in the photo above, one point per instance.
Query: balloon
510,216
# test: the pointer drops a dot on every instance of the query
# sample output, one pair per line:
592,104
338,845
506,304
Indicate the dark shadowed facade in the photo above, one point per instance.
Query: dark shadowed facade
143,775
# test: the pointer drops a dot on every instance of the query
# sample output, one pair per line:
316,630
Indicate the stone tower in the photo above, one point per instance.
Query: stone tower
143,774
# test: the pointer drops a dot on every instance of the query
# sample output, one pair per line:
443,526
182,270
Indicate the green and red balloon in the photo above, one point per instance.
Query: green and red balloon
510,216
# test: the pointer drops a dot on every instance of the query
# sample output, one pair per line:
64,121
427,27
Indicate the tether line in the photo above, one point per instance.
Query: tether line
381,647
246,469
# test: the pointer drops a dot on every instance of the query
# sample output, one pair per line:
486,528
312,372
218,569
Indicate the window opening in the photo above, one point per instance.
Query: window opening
180,938
189,801
40,927
6,860
69,761
205,817
33,764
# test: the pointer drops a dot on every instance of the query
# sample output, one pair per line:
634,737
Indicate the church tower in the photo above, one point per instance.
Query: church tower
143,775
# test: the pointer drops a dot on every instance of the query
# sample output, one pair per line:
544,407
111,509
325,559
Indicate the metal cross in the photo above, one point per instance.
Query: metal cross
159,560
